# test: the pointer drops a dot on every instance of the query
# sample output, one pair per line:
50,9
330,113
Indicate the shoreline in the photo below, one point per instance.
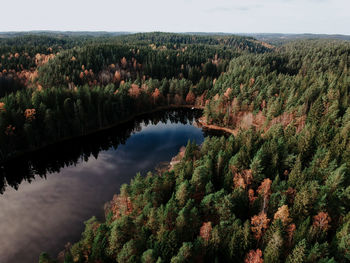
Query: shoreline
95,131
205,125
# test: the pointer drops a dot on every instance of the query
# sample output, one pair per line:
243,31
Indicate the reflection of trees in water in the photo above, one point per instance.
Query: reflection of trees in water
68,153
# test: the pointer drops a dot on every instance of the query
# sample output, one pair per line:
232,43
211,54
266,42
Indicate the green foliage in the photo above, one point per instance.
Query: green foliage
342,240
45,258
287,110
298,253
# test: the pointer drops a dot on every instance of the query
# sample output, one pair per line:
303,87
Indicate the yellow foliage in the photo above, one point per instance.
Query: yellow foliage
283,214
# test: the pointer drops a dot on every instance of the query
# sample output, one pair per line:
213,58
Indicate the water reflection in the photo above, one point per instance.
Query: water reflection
66,184
53,158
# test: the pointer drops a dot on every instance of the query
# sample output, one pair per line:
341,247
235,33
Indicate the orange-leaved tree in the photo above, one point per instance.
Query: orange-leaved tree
265,190
254,256
2,107
259,225
30,114
190,98
155,95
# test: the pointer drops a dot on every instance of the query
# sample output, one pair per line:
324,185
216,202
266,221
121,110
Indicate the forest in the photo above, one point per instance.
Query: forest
275,187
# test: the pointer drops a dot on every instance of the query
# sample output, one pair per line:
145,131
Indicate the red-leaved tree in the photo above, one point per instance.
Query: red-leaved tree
321,221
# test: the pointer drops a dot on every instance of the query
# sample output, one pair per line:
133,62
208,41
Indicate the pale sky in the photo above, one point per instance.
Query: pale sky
231,16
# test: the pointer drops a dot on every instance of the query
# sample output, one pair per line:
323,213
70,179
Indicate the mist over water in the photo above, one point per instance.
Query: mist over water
46,213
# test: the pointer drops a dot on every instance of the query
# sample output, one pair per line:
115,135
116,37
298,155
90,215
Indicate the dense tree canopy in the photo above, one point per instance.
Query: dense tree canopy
276,190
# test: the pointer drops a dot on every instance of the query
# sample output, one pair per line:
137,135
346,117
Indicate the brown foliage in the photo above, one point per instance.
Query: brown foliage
254,256
190,98
123,62
321,221
251,196
216,97
2,107
242,117
259,225
234,169
228,92
238,181
265,190
290,233
205,230
251,82
265,187
287,118
246,121
41,59
200,100
176,159
30,114
121,205
134,91
117,76
215,61
243,179
156,95
33,75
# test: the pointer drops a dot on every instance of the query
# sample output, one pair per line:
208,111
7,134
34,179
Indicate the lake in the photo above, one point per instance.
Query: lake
47,195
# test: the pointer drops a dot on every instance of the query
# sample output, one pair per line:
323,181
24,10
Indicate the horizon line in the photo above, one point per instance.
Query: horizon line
157,31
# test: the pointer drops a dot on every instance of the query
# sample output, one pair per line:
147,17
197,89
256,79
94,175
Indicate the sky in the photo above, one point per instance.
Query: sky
231,16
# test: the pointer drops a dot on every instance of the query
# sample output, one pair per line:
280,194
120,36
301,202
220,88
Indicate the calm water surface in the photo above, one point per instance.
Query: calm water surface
43,214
